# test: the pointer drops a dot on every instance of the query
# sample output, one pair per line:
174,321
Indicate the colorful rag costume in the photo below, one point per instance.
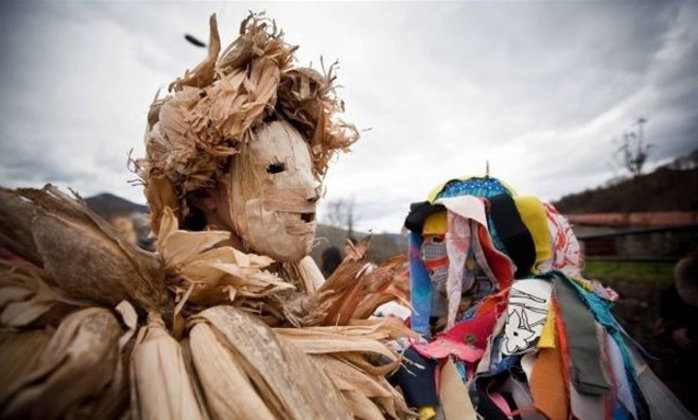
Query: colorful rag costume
528,337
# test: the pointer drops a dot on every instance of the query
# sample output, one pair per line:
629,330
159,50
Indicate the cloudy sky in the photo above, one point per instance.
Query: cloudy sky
537,88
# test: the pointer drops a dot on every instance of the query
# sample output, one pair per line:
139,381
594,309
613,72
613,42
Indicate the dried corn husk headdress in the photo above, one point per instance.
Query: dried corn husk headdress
215,109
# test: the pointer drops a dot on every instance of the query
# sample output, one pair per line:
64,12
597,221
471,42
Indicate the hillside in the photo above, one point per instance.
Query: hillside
108,205
383,245
672,187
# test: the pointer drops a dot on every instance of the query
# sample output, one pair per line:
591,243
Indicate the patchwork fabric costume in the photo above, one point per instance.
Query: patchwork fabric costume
510,328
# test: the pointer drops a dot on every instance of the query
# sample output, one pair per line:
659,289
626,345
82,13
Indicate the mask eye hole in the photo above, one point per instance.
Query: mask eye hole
275,168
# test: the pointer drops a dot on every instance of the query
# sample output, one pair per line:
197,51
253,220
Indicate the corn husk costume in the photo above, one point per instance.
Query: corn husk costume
228,318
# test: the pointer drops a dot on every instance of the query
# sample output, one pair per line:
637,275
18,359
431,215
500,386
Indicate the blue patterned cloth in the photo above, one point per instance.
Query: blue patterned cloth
421,288
478,187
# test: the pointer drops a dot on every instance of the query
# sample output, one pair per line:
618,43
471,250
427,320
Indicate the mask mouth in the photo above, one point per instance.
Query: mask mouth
301,224
308,217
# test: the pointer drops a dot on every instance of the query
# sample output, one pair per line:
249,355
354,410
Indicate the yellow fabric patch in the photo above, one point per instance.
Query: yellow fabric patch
435,224
534,217
584,284
547,335
427,413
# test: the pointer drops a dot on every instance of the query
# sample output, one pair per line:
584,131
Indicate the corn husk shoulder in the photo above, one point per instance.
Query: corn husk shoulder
161,387
291,385
81,253
309,368
76,364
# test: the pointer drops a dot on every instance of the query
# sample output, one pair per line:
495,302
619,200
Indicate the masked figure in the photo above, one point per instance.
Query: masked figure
214,323
538,340
242,145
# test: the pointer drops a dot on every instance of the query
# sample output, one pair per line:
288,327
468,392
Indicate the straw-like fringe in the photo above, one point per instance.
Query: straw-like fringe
76,365
160,383
204,274
27,299
216,107
84,256
228,390
291,386
356,288
15,359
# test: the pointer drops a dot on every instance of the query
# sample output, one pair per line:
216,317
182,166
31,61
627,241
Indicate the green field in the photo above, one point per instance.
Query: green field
646,272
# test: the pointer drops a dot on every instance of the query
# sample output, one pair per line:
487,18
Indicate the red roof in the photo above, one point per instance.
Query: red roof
644,219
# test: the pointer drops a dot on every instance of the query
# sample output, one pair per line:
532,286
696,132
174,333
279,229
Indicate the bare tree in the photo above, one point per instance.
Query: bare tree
341,213
633,152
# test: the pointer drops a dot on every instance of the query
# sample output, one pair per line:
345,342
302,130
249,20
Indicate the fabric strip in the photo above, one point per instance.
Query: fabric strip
534,217
513,233
466,206
547,381
420,286
480,255
547,336
418,385
624,392
454,394
580,326
457,246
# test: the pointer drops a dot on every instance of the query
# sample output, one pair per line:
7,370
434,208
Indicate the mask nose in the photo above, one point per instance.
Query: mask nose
313,198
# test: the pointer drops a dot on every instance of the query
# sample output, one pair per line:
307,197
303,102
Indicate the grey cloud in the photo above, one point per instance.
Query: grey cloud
561,63
34,169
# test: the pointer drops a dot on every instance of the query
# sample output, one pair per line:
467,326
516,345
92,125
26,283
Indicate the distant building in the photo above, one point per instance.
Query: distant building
643,235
